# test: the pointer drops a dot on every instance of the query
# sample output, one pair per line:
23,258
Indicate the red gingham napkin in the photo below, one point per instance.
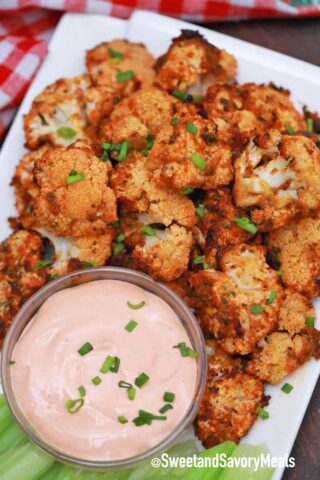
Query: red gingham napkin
24,33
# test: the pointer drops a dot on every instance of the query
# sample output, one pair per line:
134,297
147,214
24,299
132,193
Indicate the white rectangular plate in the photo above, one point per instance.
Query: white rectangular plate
78,32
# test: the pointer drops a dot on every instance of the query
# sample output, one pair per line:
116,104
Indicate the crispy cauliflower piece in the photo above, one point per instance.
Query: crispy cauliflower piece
137,117
86,205
277,177
57,115
294,311
9,304
192,154
99,103
240,304
251,106
192,64
282,353
106,61
295,250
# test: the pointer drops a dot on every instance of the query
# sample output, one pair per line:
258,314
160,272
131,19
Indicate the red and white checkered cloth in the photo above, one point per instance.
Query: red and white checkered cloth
26,27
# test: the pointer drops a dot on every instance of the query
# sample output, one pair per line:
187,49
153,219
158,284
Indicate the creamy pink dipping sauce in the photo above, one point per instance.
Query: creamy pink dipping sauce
48,370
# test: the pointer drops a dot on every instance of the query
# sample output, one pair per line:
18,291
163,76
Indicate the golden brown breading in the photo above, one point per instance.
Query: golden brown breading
137,117
238,309
295,250
105,61
192,64
99,103
81,208
294,311
251,106
277,177
60,105
282,353
200,158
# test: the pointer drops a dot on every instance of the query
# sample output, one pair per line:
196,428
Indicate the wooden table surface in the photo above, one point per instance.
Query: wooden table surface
300,39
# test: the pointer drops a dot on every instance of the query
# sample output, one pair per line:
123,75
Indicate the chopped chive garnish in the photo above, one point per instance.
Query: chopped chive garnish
180,95
150,142
246,224
141,379
124,76
287,388
86,348
116,224
279,272
43,263
175,121
85,264
122,419
169,397
272,297
256,309
309,122
66,132
263,413
120,237
118,249
186,191
148,230
53,277
191,128
198,161
289,128
197,98
82,391
131,393
309,321
131,326
96,380
106,146
123,384
12,362
198,260
74,177
116,55
73,406
109,361
200,210
123,151
116,365
186,351
144,152
136,306
145,418
165,408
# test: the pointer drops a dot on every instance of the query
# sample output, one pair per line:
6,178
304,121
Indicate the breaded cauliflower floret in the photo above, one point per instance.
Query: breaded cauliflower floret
251,106
282,353
277,177
294,312
295,250
241,303
74,197
57,115
99,103
108,64
10,301
193,153
137,117
192,64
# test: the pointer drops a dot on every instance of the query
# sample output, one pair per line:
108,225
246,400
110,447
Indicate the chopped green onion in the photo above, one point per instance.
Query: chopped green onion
246,224
287,388
165,408
169,397
180,95
73,406
150,142
290,129
175,121
141,379
131,326
200,210
86,348
186,351
66,132
191,128
272,297
124,76
44,263
123,384
115,55
136,306
186,191
144,152
198,161
118,249
53,277
120,237
256,309
148,230
96,380
122,419
82,391
309,321
116,365
279,272
74,177
12,362
131,393
123,151
198,260
85,264
109,361
263,413
197,98
145,418
309,125
116,224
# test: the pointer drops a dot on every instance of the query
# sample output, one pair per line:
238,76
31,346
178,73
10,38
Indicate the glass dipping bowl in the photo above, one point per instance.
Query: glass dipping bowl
32,305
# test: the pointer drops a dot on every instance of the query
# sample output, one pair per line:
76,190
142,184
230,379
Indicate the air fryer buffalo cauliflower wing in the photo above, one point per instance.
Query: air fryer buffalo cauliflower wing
138,117
251,106
240,304
277,177
57,115
294,312
120,66
74,198
295,250
192,64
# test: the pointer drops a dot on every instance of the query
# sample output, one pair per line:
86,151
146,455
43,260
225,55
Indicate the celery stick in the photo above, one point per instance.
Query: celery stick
248,473
53,472
71,473
26,462
5,415
13,436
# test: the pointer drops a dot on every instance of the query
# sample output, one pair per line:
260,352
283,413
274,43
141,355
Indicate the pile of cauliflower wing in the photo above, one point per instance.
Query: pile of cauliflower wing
173,168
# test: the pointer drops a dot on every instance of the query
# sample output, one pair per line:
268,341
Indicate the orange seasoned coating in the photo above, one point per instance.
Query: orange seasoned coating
137,117
81,208
294,311
192,154
105,61
99,103
192,64
251,106
60,105
295,250
282,353
276,177
237,308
